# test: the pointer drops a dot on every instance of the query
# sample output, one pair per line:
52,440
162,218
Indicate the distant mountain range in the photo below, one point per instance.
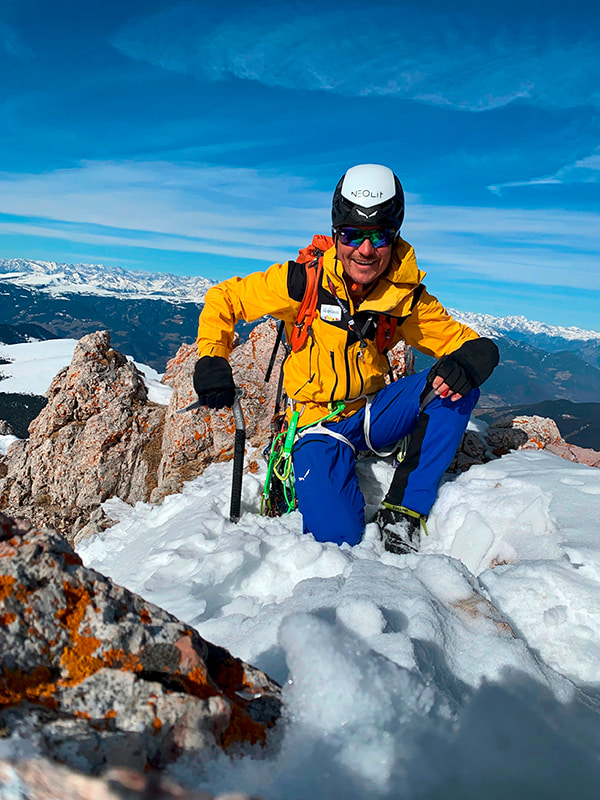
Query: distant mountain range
101,281
150,315
551,338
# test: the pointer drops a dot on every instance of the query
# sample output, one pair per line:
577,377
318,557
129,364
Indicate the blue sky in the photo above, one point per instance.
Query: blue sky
206,140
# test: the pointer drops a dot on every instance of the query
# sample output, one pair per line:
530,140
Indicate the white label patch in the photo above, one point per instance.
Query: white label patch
331,313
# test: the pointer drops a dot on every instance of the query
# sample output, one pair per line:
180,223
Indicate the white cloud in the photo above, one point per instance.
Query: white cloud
548,247
584,170
208,209
452,59
243,213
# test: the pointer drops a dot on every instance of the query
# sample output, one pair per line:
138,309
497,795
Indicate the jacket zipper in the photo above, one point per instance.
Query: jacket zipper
336,375
359,356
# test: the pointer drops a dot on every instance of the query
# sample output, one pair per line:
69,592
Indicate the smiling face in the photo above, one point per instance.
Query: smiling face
363,264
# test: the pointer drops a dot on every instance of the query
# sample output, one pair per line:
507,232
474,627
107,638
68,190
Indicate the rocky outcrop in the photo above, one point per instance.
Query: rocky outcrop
100,437
95,675
92,441
519,433
536,433
41,779
5,428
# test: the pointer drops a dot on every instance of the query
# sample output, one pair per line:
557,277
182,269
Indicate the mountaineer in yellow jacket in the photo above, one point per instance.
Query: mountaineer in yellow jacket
369,295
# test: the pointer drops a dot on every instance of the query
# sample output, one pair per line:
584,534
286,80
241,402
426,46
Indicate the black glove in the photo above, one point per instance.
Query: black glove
467,367
213,382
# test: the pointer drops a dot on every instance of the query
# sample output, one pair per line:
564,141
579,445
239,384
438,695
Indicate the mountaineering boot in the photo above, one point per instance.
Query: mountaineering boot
400,528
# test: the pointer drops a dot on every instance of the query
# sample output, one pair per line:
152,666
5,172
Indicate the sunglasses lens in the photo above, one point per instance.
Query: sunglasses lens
380,238
354,237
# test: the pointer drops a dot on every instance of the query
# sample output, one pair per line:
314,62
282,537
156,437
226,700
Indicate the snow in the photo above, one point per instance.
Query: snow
5,443
33,365
470,669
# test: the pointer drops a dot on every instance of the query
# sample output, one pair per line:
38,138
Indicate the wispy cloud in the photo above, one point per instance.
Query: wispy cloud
250,214
208,209
400,50
547,247
584,170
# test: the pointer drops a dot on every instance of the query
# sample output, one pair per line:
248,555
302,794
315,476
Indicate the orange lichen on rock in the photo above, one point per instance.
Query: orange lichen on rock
242,728
156,724
77,659
36,687
6,585
145,617
197,683
119,659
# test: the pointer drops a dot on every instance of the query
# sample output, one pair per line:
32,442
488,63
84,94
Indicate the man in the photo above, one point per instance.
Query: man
370,295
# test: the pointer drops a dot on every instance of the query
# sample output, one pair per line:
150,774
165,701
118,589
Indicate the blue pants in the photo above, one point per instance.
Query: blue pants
331,502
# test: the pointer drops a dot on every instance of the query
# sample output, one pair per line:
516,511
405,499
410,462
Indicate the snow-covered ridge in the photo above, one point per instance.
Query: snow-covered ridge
96,279
487,325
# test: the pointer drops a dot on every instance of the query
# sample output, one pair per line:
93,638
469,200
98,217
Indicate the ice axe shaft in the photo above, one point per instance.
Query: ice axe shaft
239,446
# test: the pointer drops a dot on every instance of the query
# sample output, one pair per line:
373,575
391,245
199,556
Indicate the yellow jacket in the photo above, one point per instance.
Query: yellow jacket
333,364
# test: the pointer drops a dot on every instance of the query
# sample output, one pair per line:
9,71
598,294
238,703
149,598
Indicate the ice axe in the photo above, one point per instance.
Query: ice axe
239,446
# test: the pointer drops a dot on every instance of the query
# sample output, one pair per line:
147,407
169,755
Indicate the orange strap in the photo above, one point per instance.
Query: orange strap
386,328
308,308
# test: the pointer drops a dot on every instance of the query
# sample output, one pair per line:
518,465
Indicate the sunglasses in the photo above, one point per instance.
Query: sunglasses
354,237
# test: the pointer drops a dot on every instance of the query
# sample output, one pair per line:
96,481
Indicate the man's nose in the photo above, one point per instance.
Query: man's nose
366,248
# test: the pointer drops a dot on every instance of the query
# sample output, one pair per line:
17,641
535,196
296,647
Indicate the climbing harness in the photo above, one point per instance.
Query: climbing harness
279,492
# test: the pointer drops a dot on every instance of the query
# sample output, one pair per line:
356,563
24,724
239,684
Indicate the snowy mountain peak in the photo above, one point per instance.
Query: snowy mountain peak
103,281
487,325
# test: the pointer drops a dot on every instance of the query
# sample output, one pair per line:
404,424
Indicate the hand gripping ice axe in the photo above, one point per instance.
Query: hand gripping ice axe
239,446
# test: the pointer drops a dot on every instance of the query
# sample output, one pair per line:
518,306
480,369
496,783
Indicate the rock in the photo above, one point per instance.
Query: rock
402,360
581,455
536,433
96,675
473,449
41,779
5,428
95,439
522,433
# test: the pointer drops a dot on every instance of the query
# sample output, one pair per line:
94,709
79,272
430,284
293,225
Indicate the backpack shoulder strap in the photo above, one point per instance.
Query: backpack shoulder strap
312,259
308,307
